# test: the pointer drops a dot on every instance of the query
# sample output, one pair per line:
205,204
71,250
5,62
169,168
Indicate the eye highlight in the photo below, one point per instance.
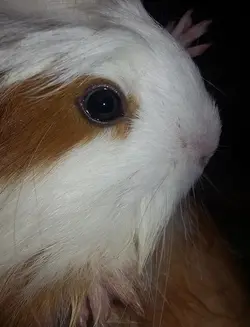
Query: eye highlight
103,104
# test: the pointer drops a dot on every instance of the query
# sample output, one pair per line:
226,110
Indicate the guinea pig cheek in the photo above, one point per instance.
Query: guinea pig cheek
40,123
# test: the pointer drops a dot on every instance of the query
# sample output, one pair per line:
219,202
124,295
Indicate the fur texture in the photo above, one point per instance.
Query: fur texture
197,279
103,204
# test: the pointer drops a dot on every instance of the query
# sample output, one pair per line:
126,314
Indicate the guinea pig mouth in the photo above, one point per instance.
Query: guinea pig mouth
203,161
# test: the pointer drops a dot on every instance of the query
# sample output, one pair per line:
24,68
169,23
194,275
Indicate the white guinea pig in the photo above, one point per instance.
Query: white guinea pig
105,125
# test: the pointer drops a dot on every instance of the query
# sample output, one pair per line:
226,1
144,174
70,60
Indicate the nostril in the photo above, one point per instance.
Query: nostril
203,161
203,151
200,150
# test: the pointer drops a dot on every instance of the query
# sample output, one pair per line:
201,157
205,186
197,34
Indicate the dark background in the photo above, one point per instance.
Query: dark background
224,67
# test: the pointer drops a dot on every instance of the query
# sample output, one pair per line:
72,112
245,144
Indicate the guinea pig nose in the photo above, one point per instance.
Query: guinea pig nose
203,161
202,151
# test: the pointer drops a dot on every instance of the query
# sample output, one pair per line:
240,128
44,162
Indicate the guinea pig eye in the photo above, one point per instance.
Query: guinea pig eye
102,104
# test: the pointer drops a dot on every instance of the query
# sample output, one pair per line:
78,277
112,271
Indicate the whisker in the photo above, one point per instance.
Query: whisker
224,146
211,84
200,183
211,183
15,215
157,278
183,221
186,222
38,217
193,192
169,256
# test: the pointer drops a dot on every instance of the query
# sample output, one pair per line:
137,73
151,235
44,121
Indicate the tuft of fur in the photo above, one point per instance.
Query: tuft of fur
196,279
102,204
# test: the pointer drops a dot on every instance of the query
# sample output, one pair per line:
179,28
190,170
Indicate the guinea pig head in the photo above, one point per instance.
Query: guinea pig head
103,129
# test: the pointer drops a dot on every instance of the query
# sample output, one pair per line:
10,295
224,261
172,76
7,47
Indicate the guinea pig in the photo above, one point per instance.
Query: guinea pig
105,125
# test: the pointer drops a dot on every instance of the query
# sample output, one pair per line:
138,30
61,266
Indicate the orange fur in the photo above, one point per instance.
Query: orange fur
39,123
199,284
60,303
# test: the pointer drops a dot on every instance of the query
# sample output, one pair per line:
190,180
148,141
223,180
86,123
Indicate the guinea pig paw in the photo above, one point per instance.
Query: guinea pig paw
186,33
84,315
96,307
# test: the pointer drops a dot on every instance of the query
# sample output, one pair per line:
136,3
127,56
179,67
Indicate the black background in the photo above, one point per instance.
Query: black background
224,67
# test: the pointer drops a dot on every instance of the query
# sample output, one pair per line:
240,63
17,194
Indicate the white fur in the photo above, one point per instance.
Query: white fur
103,195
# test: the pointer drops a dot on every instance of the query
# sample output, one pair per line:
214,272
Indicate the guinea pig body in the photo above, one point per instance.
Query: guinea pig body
197,279
82,198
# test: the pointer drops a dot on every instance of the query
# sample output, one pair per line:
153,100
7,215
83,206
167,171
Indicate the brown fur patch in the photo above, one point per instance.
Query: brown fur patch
40,123
56,305
198,285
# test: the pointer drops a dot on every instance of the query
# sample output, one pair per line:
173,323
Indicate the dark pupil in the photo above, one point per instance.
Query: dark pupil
103,105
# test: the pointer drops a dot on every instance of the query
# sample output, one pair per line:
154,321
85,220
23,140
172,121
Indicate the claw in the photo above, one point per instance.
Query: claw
184,24
186,33
194,32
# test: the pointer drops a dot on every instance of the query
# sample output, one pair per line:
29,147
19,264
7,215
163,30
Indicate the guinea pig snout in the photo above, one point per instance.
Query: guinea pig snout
203,161
201,150
200,136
